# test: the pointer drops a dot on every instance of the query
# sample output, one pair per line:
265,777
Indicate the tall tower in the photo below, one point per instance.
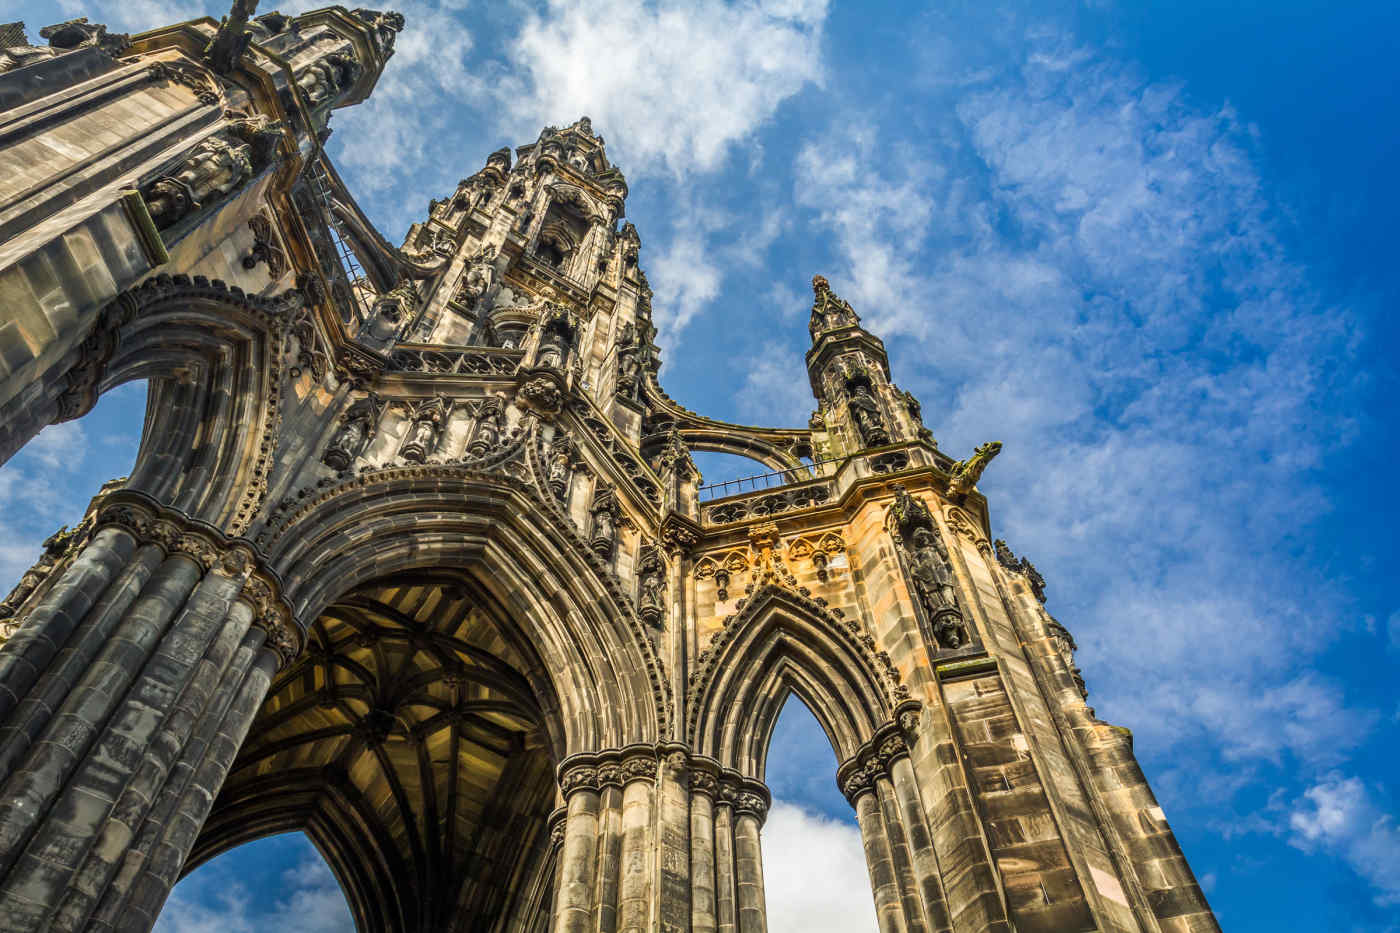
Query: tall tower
415,558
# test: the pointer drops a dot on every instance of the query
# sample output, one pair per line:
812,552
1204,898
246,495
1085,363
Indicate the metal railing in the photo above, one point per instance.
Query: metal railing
349,262
762,481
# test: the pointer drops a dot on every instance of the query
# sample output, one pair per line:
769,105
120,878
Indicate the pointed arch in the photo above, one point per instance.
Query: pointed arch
782,643
592,654
212,354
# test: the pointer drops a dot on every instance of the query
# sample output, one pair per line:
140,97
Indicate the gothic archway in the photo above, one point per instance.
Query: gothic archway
211,354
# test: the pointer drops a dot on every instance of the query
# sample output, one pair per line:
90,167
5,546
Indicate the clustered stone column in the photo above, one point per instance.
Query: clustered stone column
727,811
880,784
654,840
125,692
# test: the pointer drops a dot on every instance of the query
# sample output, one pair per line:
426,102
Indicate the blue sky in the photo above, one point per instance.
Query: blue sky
1146,245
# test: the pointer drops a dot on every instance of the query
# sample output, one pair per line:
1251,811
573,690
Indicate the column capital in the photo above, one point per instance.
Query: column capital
176,533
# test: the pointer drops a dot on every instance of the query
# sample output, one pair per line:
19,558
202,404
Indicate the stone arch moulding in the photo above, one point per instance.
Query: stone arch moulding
212,355
594,652
782,643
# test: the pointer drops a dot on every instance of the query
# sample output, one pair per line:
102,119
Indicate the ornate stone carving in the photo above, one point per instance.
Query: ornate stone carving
488,427
390,314
606,515
866,414
265,248
357,428
426,420
215,167
542,396
559,464
55,548
651,585
579,777
967,472
828,311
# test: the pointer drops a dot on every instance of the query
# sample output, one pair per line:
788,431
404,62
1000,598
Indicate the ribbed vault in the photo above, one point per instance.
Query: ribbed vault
410,743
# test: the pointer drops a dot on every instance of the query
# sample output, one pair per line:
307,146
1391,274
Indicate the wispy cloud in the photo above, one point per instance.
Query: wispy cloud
1084,265
675,84
1342,816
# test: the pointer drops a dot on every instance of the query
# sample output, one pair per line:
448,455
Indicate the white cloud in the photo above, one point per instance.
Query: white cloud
814,874
311,902
675,84
1340,815
774,391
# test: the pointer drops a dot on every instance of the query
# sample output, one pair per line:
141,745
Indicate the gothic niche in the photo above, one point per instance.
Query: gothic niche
651,585
866,415
357,428
563,229
426,420
926,561
215,167
489,426
390,314
557,331
606,516
629,364
559,465
479,279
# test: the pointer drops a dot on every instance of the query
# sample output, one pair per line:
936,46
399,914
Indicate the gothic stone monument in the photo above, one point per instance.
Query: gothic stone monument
414,557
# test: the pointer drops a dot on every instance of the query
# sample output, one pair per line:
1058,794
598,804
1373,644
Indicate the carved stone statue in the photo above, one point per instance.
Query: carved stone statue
325,80
606,514
629,373
556,339
385,27
63,37
909,512
390,313
967,472
490,425
930,570
357,428
868,418
559,464
215,167
651,598
480,276
425,431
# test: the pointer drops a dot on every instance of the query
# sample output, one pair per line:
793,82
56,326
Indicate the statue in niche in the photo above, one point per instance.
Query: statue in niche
606,515
389,314
931,572
560,462
629,372
556,338
651,601
481,275
425,431
326,79
869,420
215,167
490,425
357,427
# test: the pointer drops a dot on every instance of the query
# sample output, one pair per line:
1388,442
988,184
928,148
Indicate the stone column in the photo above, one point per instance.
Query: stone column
609,846
704,917
674,891
881,786
574,900
726,897
750,807
889,913
152,620
638,865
